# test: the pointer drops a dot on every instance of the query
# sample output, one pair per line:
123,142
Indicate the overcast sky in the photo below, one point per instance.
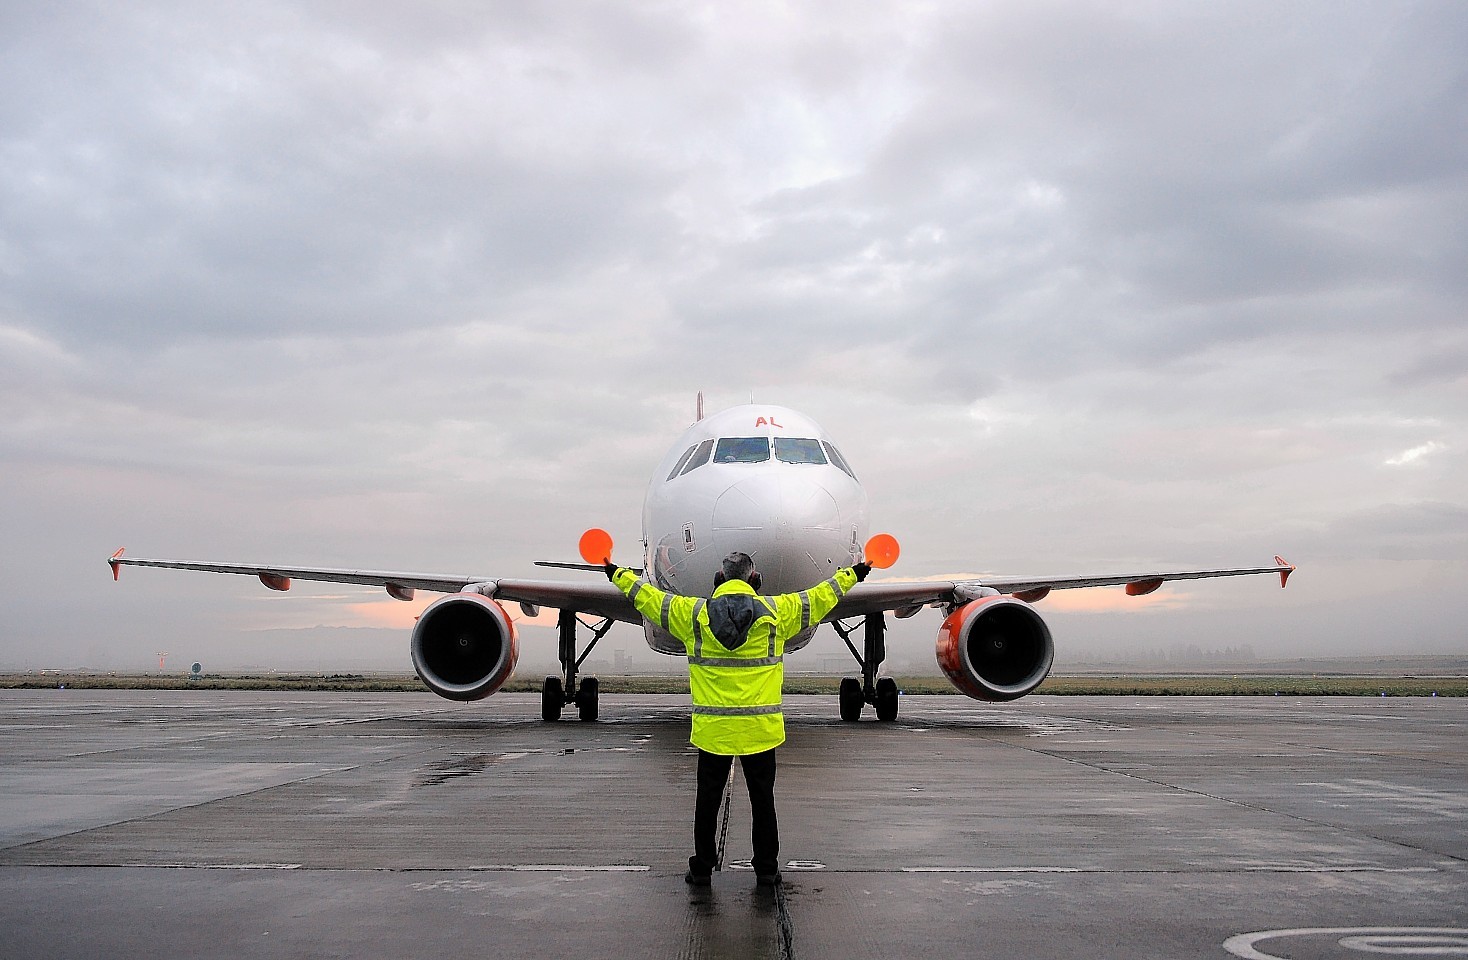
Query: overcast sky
1078,288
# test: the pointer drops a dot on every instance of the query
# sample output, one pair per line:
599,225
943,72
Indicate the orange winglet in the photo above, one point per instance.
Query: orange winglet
1284,575
1140,588
596,546
112,562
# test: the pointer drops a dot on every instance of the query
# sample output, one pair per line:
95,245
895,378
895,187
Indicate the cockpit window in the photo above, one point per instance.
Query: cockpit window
838,460
682,460
700,456
742,450
792,450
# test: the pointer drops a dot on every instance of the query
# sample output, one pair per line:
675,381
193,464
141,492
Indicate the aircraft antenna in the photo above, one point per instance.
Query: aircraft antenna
700,406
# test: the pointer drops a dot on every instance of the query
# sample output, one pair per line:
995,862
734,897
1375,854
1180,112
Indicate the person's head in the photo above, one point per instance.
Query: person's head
738,566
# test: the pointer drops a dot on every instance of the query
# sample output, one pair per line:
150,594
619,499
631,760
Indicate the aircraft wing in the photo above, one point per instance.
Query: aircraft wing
596,597
600,598
907,597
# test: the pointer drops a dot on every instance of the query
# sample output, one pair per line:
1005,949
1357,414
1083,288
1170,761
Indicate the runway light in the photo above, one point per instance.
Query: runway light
882,550
596,546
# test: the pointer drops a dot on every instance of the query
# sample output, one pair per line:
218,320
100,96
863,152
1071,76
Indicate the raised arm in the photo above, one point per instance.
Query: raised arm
797,611
673,612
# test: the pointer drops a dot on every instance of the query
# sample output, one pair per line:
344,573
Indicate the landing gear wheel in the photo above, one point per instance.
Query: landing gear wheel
586,698
551,699
887,699
851,699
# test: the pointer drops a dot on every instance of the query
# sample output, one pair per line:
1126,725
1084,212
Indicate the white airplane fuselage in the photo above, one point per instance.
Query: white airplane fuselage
760,479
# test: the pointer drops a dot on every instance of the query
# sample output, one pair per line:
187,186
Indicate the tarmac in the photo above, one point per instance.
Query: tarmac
245,824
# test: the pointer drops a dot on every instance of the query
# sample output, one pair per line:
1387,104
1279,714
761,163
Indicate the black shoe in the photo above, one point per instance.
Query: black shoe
697,879
768,879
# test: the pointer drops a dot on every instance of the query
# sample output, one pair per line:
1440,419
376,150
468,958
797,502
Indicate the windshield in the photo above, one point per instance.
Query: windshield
700,456
791,450
682,460
838,460
742,450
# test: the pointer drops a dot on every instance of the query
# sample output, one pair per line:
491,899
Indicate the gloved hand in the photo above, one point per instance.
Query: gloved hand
861,570
611,569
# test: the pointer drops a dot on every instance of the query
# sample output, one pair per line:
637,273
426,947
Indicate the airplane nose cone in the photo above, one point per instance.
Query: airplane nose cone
783,505
779,519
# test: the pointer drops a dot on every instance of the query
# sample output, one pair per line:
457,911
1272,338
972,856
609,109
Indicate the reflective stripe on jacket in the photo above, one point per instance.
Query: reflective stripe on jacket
736,680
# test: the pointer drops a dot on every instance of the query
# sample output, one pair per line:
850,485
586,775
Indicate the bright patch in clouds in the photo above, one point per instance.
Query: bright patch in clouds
400,615
386,613
1416,454
1112,599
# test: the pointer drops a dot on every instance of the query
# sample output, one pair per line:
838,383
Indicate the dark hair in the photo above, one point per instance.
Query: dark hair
738,566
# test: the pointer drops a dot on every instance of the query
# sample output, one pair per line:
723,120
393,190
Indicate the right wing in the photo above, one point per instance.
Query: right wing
596,597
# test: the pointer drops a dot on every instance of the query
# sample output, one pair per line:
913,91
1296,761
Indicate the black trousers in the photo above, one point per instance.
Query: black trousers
759,775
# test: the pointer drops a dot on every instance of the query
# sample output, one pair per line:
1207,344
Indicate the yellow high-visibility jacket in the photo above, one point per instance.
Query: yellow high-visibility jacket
736,652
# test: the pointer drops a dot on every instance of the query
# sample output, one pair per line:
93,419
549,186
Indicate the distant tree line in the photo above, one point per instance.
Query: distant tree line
1175,654
1192,653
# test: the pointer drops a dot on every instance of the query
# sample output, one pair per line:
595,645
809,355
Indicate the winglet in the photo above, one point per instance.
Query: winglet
1284,575
112,562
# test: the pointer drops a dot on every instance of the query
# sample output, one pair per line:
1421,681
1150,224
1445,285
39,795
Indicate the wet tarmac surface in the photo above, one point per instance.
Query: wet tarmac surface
207,824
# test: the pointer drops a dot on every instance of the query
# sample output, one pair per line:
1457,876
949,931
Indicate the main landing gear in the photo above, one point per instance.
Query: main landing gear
855,694
560,692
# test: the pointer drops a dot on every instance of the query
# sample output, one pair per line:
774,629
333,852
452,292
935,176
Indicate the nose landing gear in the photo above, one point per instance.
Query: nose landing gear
880,693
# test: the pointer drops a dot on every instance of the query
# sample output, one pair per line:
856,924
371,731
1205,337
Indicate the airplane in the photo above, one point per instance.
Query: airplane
757,478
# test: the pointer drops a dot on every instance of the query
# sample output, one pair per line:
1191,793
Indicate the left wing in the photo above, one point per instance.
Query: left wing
594,596
907,597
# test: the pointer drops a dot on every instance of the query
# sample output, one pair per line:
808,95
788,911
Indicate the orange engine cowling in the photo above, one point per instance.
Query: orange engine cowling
464,646
995,648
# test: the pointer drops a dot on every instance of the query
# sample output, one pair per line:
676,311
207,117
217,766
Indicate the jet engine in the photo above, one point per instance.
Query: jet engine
995,648
464,646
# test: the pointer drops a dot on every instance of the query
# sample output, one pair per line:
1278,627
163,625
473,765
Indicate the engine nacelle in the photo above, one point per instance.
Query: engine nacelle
995,648
464,646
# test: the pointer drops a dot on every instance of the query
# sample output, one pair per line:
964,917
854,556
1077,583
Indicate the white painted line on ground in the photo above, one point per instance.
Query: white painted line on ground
1330,869
183,865
1199,870
1440,941
553,868
1001,870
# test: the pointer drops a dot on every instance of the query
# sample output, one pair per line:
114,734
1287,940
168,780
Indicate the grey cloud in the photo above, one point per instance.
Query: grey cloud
434,287
1432,531
1200,159
240,187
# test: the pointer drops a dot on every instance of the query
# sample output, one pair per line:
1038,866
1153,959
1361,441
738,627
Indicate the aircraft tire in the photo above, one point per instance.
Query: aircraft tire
551,699
850,699
886,699
586,699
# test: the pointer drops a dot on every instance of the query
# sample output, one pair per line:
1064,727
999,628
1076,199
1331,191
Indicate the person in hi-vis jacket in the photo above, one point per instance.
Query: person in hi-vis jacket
736,649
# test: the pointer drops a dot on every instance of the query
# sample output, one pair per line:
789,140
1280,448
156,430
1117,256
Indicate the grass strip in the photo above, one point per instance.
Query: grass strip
1137,686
